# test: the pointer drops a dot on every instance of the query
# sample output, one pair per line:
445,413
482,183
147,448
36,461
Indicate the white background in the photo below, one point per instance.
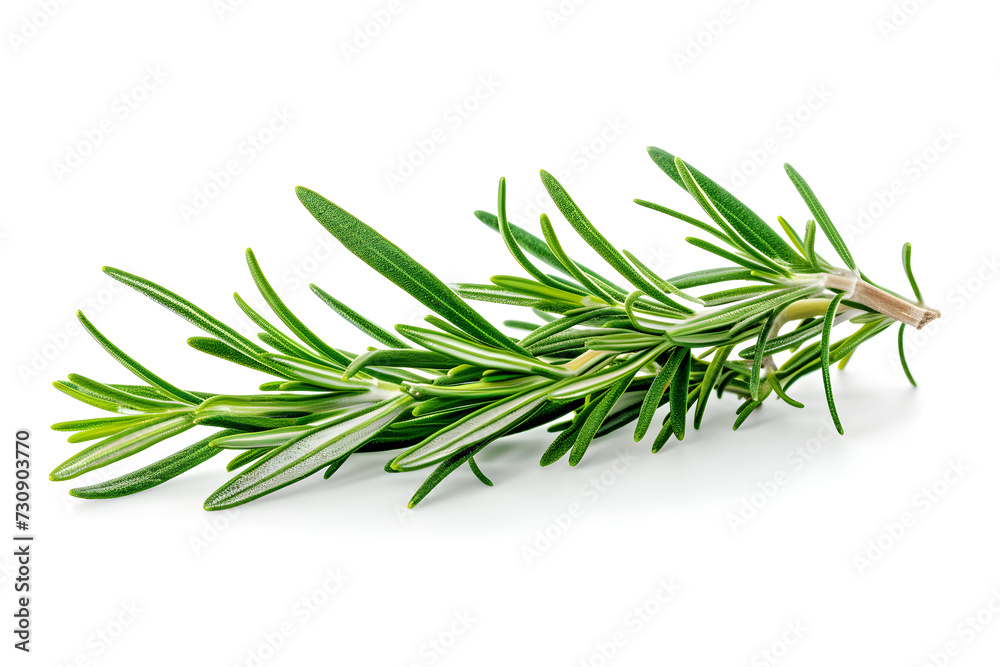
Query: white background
838,89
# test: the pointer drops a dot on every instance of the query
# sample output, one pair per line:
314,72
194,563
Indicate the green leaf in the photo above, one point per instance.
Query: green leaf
654,394
703,226
511,241
758,356
752,245
549,329
98,432
747,223
564,441
902,355
821,217
521,324
745,410
289,318
724,297
708,382
744,309
74,391
217,348
185,309
660,282
596,417
907,248
264,405
386,258
824,351
810,243
495,294
470,430
448,466
590,283
480,475
478,354
793,236
588,384
786,341
668,423
264,439
245,458
124,399
542,291
772,380
306,454
711,276
358,320
335,466
120,446
725,254
596,240
85,424
679,396
154,474
535,246
321,375
405,358
131,364
243,423
276,338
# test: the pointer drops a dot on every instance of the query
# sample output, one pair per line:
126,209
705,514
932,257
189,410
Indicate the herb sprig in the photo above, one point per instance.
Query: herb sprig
597,354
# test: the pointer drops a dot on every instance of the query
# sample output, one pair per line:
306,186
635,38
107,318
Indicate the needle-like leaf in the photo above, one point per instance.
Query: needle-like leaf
386,258
185,309
821,217
306,454
824,350
362,323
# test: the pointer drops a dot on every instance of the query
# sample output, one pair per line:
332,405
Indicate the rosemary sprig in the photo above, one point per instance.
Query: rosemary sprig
601,356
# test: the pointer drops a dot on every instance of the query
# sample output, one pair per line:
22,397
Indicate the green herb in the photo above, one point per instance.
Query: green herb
599,357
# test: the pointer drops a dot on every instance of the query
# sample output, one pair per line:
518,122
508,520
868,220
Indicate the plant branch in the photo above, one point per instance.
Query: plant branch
859,291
